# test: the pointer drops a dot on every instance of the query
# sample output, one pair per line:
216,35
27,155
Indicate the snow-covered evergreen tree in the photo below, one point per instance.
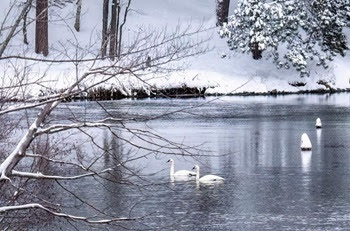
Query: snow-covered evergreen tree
291,32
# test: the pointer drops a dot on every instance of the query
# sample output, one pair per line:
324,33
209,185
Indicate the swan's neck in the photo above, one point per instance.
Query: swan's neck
172,169
197,173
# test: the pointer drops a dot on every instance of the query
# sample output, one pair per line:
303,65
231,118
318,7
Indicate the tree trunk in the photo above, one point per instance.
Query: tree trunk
104,28
257,54
117,29
24,29
222,8
113,30
121,27
78,16
41,28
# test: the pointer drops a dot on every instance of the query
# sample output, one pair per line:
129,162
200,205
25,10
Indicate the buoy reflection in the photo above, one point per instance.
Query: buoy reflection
306,160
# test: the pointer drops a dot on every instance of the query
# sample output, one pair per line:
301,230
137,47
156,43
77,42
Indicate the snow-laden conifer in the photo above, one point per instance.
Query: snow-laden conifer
290,32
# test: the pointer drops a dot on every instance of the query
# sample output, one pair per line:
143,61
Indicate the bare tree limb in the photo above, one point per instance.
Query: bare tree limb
64,215
3,46
39,175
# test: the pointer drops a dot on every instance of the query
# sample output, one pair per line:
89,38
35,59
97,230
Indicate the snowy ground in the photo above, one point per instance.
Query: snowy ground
234,73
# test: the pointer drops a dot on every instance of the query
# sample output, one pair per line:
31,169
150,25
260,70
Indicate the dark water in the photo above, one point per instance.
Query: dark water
255,145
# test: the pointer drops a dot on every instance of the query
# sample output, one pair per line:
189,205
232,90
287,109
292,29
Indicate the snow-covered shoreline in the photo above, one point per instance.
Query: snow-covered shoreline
220,71
101,93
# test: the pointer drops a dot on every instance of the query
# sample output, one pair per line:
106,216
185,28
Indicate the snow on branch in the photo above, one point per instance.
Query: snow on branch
18,107
64,215
23,144
39,175
63,127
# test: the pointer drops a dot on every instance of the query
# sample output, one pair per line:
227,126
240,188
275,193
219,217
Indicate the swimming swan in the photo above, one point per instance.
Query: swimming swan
180,173
207,178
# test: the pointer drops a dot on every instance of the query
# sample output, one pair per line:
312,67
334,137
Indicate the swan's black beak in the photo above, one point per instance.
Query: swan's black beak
168,161
194,167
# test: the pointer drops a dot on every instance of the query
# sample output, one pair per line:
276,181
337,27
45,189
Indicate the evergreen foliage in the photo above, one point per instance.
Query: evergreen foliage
290,32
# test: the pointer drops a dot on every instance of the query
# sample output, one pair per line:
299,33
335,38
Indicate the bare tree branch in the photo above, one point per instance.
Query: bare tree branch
25,8
64,215
39,175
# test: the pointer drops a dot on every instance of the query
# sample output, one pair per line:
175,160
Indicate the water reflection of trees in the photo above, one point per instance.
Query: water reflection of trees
113,156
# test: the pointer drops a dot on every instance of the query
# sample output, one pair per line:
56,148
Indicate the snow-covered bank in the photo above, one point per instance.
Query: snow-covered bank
220,70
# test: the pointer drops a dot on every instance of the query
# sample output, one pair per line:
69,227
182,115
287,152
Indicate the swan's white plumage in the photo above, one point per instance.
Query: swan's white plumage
207,178
180,173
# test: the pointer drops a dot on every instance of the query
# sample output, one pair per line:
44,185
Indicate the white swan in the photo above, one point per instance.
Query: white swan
180,173
207,178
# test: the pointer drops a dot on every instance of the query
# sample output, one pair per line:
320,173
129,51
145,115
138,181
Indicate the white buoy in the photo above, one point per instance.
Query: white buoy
318,123
305,143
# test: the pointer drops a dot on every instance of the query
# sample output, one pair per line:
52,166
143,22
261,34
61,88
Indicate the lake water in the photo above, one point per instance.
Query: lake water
253,142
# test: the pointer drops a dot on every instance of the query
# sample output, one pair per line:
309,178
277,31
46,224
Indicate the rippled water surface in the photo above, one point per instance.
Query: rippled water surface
255,145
